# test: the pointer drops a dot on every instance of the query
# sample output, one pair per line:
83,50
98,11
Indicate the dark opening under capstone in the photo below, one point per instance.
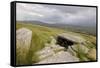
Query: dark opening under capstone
64,42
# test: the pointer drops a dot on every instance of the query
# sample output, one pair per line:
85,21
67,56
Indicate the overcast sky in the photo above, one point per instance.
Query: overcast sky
56,14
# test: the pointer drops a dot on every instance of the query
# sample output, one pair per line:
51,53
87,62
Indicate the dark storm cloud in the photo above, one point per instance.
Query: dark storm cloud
56,14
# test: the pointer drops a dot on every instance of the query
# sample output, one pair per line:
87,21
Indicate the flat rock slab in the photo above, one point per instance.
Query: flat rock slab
60,57
72,37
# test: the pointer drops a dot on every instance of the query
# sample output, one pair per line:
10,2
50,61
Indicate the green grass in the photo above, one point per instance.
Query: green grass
80,54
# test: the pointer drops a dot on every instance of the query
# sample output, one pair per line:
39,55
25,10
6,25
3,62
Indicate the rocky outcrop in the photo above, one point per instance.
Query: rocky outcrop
74,44
23,41
49,50
54,53
59,57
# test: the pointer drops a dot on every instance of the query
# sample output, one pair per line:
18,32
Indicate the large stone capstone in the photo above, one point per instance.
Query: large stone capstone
66,40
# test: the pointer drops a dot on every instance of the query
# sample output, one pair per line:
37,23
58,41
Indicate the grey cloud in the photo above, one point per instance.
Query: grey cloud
56,14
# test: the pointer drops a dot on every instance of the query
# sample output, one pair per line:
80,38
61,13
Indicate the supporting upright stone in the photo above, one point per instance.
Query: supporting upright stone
23,41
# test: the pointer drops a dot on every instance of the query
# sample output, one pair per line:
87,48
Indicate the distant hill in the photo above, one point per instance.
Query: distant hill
89,29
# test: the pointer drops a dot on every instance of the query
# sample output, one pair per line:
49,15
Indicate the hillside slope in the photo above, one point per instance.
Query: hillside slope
41,35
